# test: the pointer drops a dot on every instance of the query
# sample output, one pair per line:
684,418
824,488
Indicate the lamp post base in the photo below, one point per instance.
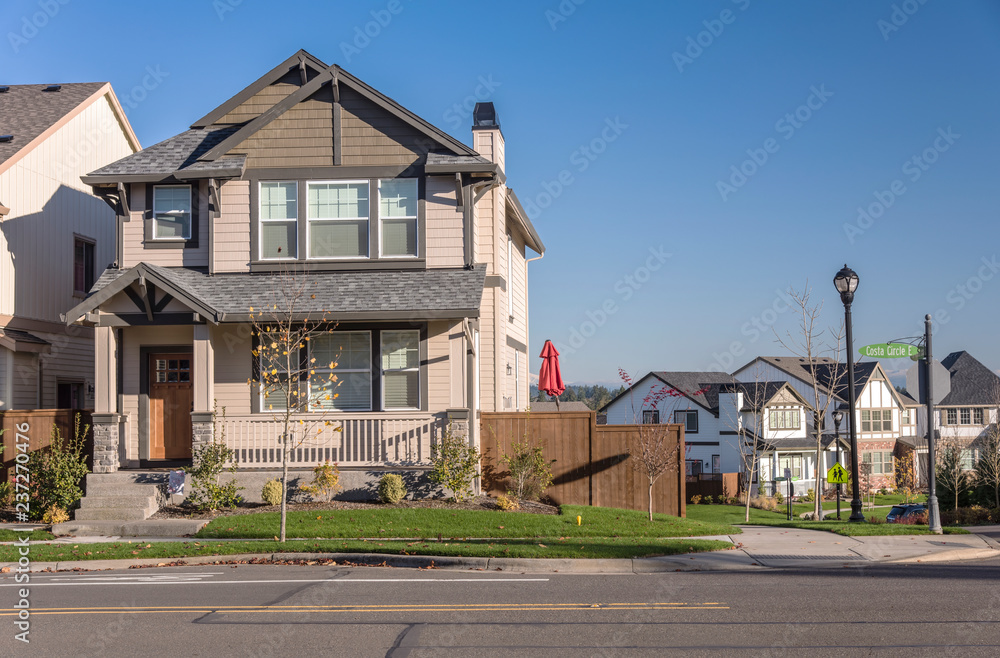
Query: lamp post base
934,515
856,515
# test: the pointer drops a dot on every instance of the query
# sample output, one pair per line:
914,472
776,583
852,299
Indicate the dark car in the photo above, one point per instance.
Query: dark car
899,512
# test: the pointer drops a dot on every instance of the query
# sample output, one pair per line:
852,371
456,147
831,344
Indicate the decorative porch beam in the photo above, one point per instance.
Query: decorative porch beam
215,206
459,197
146,301
338,114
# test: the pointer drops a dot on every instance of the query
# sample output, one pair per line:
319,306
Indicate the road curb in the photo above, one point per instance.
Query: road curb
957,555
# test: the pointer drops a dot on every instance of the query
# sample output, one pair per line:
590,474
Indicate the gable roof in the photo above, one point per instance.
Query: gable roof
825,370
204,147
764,392
344,295
972,383
30,114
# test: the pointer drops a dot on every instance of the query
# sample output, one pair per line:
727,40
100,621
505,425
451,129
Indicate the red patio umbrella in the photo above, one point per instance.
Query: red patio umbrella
549,378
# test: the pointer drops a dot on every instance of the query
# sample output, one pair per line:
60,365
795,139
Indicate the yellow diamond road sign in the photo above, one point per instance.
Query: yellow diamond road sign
837,475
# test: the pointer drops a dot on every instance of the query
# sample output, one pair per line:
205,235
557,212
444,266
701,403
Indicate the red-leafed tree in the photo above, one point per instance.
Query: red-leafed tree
654,453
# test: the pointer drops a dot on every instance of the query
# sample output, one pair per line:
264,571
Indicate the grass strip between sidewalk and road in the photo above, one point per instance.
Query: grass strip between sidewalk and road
35,535
431,523
734,514
554,547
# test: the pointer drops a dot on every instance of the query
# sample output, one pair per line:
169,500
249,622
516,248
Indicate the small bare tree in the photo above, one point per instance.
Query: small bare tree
988,466
292,385
654,452
752,438
950,469
820,350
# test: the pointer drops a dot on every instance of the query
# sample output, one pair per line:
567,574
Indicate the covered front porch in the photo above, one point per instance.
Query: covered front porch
797,457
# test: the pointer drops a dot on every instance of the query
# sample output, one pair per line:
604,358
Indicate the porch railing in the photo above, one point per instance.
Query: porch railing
356,440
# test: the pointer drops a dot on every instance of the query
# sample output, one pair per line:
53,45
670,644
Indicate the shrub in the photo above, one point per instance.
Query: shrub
995,515
325,482
56,472
876,520
778,498
454,464
765,503
508,503
55,514
6,493
530,473
207,493
810,496
913,519
391,488
272,492
696,499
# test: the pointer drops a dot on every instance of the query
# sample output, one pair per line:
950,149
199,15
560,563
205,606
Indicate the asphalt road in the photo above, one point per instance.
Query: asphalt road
253,610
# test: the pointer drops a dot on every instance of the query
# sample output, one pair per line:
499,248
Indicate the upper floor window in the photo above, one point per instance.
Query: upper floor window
876,420
84,270
784,419
906,417
398,216
172,212
279,220
688,418
650,416
965,416
338,219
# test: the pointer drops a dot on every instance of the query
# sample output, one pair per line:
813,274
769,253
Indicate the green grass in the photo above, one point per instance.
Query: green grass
554,547
424,523
720,514
14,535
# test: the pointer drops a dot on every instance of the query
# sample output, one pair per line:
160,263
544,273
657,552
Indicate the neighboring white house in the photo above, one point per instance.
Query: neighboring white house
55,236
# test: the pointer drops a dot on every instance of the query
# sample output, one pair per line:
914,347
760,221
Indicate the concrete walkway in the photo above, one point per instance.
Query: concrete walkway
759,548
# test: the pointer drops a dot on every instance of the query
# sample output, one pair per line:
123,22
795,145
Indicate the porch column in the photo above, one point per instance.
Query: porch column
203,385
106,419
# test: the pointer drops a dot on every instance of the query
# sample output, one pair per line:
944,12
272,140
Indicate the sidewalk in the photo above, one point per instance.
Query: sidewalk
759,548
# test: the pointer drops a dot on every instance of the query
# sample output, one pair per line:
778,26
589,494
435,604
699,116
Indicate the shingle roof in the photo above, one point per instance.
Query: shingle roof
26,111
972,383
175,153
690,382
826,371
755,394
229,297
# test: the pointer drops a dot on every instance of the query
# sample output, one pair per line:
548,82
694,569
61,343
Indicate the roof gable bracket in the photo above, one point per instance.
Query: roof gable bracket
337,122
302,69
459,196
146,292
214,205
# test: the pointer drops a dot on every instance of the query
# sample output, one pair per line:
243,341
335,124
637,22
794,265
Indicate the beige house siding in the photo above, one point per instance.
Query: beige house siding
70,359
231,237
301,137
135,250
134,339
233,368
24,381
5,375
372,136
48,205
445,232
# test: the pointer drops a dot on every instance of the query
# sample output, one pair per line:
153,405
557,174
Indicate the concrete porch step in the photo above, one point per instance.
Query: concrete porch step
118,502
113,514
129,477
112,489
146,528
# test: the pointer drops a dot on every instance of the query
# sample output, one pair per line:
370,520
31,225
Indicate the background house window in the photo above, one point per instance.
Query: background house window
350,353
784,419
688,418
278,219
274,400
952,417
876,420
969,458
977,417
965,416
906,417
84,271
338,219
650,416
398,216
401,369
792,462
172,212
879,461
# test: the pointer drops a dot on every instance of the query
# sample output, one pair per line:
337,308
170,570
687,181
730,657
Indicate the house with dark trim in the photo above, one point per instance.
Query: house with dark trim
407,239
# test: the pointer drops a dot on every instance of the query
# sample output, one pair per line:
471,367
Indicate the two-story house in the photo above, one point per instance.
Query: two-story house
55,236
728,424
408,240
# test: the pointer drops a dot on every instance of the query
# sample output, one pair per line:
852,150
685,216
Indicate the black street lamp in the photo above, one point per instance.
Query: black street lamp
846,283
838,417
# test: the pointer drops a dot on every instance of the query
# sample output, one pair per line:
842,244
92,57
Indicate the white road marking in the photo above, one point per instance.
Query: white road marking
304,580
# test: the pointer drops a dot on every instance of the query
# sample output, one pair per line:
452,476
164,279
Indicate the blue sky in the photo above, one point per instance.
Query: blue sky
627,126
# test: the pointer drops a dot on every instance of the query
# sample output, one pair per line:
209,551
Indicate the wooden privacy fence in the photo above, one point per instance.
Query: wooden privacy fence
713,484
592,462
40,423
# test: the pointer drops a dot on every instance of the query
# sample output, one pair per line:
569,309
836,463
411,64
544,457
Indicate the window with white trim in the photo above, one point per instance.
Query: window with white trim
397,203
879,461
876,420
966,416
906,417
784,419
401,369
278,220
172,212
791,462
338,219
272,362
347,357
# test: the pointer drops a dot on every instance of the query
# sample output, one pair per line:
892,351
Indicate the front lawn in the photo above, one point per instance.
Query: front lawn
734,514
14,535
546,547
431,523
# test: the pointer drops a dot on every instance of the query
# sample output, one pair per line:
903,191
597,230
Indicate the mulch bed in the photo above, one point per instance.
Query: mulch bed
478,503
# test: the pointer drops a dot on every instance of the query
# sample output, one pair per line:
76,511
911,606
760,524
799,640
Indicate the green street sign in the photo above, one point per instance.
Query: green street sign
838,475
890,351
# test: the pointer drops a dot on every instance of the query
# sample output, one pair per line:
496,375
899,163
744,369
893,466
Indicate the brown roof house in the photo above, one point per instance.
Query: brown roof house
55,236
407,238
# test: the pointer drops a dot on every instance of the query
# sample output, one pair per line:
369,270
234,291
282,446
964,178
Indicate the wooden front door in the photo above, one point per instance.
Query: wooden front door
171,400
